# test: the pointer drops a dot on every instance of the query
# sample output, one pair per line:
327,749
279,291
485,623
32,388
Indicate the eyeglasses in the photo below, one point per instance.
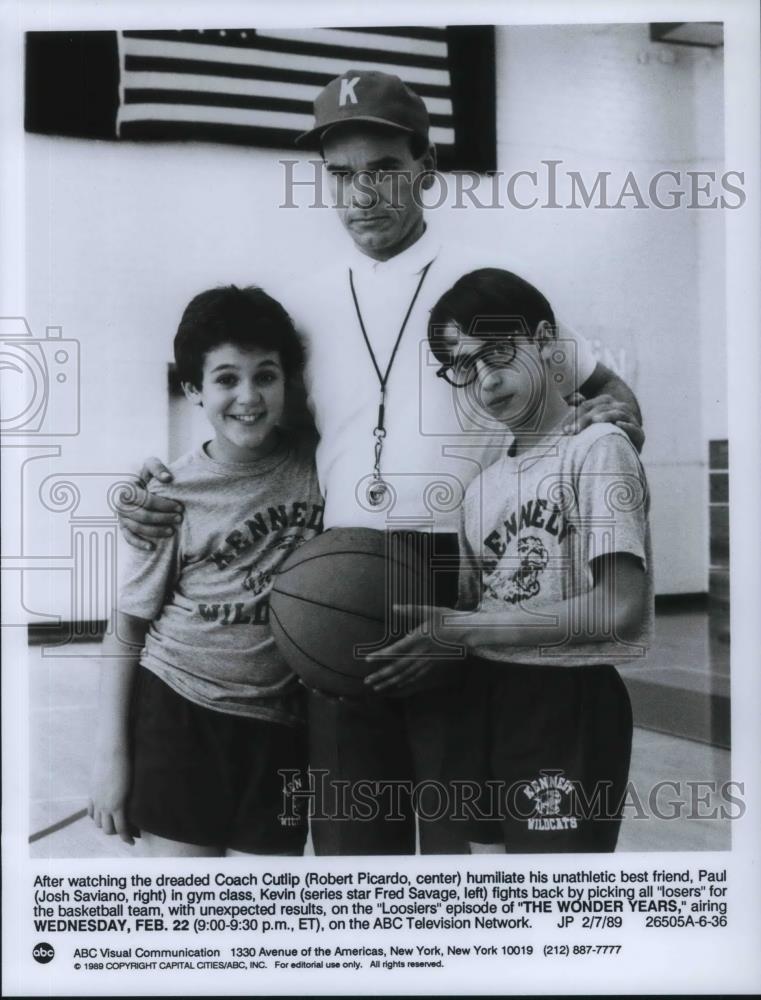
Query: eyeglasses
462,370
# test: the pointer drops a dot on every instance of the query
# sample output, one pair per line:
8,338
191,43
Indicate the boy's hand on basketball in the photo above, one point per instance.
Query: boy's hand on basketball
604,409
145,516
110,788
415,655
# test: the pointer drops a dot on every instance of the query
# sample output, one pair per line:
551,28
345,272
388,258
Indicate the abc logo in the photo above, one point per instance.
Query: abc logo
43,953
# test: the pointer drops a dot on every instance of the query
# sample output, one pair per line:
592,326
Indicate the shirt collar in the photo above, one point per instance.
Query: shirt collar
410,261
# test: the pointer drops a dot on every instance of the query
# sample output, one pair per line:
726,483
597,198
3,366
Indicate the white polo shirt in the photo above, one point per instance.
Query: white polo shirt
436,442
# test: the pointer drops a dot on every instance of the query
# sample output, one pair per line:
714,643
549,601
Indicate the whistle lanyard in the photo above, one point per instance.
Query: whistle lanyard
377,490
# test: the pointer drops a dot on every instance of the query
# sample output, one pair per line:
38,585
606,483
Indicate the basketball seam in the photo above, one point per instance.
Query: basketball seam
319,663
349,552
331,607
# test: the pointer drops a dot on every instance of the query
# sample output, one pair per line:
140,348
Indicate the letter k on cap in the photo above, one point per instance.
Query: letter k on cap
347,91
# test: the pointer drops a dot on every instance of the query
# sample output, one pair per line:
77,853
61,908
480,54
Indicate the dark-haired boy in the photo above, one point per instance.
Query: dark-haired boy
215,712
556,579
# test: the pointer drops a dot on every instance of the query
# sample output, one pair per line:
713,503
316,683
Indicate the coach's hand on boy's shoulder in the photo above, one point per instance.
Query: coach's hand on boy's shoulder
604,409
145,516
417,654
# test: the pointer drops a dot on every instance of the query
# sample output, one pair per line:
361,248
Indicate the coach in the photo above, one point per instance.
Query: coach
394,453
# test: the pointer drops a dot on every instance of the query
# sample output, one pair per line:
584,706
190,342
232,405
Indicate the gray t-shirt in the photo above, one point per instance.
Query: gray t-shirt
206,590
532,524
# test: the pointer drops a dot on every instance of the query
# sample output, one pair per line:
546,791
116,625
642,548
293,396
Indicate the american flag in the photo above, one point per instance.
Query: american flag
255,86
265,80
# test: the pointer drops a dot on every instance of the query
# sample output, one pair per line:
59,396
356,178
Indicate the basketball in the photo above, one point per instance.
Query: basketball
331,604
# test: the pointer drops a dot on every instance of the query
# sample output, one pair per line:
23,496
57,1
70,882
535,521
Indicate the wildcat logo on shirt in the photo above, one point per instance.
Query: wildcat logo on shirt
257,583
550,796
529,551
259,580
524,582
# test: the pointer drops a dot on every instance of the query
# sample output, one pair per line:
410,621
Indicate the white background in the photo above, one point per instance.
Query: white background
117,238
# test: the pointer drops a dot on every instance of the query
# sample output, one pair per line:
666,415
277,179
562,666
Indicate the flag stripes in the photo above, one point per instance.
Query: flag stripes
255,86
268,79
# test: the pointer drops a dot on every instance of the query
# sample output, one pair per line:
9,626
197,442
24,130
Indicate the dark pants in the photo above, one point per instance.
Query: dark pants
375,762
551,748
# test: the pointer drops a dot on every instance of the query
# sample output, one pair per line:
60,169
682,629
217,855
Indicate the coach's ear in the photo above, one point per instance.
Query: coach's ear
428,166
192,393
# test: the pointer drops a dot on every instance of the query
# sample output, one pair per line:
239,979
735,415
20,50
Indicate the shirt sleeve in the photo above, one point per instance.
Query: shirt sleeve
146,579
613,499
573,360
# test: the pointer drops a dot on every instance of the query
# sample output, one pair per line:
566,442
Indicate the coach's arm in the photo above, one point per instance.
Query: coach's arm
606,398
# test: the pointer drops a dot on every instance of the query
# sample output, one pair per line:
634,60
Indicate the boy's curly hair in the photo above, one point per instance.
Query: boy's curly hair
247,318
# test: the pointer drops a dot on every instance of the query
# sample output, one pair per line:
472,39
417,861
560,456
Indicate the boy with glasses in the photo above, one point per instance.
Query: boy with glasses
555,586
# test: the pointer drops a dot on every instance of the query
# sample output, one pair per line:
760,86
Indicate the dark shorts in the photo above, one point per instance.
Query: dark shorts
204,777
548,749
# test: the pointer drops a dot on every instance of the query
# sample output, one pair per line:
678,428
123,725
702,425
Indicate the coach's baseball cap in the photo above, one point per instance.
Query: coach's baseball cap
367,96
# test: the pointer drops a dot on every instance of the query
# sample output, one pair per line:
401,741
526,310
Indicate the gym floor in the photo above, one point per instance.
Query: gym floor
63,699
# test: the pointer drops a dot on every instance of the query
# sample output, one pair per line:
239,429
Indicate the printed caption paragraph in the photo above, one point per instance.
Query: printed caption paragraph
270,920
